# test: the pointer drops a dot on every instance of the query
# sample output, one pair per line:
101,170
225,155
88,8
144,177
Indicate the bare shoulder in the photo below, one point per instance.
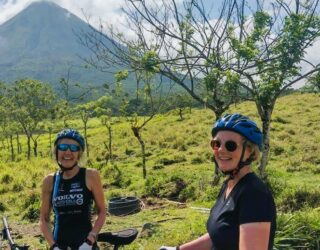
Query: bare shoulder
47,182
92,173
92,178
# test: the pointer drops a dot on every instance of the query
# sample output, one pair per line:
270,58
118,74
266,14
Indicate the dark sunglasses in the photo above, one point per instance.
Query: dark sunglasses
71,147
230,145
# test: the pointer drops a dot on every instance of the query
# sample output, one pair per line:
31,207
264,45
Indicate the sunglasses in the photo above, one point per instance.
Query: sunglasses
71,147
230,145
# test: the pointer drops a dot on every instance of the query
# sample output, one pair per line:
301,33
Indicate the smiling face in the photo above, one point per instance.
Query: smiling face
68,158
225,159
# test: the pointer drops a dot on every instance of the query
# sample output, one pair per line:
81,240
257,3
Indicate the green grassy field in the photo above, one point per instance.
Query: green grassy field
180,169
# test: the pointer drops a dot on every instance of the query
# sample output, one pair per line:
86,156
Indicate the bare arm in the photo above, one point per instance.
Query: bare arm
94,184
45,209
254,236
202,243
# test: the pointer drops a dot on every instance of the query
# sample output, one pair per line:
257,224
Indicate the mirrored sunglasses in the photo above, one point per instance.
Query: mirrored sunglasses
229,145
71,147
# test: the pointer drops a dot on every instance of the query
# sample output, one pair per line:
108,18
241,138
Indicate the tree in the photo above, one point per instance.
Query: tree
180,101
7,126
148,100
30,102
86,112
255,49
5,119
104,112
70,93
314,82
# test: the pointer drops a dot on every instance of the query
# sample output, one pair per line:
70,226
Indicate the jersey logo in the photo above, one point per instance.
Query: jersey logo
75,185
68,200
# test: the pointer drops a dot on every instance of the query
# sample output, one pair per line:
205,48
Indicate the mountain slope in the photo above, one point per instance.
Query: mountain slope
40,43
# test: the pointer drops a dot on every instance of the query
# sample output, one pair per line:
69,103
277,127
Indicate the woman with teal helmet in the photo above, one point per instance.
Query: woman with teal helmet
244,214
70,193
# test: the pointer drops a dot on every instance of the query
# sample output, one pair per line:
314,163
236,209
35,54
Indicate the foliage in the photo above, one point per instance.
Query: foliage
293,174
299,231
251,50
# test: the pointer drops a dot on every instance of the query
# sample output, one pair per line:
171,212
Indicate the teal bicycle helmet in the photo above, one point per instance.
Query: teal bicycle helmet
240,124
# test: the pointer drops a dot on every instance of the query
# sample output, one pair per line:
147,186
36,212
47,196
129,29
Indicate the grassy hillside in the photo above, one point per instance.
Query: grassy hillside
180,169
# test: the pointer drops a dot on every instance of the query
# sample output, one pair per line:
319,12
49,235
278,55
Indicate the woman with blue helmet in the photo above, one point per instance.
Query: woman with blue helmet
244,215
70,193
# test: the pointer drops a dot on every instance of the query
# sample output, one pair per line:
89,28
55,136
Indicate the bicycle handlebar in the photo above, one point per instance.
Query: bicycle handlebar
123,237
7,236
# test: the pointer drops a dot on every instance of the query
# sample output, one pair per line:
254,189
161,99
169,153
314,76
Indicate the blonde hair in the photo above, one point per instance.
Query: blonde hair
255,151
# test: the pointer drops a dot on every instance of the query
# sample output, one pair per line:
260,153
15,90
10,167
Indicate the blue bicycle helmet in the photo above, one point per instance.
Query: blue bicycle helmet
240,124
71,134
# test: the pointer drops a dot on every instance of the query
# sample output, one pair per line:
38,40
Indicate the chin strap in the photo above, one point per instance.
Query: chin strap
64,169
240,165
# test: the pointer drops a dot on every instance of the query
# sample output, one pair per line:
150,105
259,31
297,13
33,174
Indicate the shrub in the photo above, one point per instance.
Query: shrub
210,194
166,187
176,159
17,187
129,152
31,207
2,207
173,188
6,179
297,232
300,199
157,167
188,193
32,214
31,199
278,150
276,185
197,160
279,120
114,176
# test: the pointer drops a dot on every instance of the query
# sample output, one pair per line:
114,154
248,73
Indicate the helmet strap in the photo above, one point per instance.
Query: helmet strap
64,169
240,165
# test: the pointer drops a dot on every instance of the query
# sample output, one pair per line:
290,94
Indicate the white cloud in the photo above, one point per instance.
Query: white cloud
10,8
107,10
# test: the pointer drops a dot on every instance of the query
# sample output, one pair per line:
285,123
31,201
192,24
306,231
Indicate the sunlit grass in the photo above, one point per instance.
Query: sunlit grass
177,149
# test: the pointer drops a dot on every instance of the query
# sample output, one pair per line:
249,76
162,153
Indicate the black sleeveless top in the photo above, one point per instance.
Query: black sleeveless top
71,203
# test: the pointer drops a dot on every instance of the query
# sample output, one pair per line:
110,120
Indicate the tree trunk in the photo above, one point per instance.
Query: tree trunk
19,149
216,177
50,142
181,114
110,144
12,149
29,147
265,116
136,133
85,136
35,148
8,143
